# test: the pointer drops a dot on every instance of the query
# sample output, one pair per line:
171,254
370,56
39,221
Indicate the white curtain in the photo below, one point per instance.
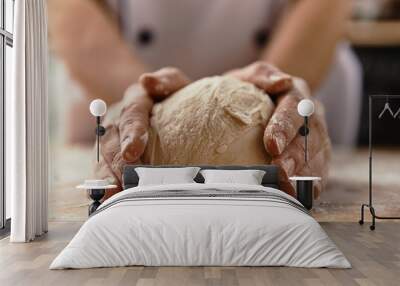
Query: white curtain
27,124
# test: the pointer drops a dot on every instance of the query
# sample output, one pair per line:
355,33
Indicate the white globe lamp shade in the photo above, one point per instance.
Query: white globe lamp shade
305,107
98,107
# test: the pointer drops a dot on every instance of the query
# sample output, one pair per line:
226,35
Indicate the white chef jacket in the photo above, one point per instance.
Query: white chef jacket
210,37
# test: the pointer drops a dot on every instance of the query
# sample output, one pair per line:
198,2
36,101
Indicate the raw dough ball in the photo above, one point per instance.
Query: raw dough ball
216,120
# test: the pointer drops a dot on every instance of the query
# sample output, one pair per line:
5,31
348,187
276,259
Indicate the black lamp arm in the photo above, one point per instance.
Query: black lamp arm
100,131
304,131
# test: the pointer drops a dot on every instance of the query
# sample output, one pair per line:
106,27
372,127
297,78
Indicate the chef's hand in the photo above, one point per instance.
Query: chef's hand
264,76
281,138
127,122
283,141
135,115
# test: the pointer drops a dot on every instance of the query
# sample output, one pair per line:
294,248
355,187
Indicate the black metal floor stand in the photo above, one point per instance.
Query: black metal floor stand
374,216
370,204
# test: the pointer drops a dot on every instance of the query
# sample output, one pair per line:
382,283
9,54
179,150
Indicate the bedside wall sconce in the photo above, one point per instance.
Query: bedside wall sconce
305,108
304,185
98,108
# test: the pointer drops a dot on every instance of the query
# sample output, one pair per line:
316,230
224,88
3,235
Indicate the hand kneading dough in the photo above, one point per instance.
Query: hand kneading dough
216,120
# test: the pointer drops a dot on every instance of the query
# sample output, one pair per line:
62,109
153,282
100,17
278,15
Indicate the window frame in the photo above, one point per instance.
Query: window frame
6,39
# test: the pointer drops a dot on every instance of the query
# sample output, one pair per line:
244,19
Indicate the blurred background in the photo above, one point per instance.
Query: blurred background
373,34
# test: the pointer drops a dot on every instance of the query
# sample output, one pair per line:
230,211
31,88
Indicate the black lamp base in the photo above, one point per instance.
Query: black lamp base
305,193
96,195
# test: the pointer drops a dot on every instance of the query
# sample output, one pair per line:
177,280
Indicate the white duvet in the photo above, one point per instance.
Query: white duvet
188,231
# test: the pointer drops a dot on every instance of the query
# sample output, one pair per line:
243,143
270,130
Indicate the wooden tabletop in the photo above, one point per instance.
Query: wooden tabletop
340,200
374,33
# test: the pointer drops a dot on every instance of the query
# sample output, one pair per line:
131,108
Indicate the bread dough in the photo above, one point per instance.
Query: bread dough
215,120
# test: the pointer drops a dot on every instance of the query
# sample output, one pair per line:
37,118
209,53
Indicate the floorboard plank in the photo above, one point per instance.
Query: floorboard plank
375,257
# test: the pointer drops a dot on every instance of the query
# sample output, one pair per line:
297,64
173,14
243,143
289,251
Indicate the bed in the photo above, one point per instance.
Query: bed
201,224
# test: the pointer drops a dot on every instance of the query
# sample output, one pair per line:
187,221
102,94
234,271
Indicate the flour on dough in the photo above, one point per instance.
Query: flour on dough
215,120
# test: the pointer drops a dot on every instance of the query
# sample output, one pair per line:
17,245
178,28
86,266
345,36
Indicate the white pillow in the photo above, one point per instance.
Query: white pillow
248,177
162,176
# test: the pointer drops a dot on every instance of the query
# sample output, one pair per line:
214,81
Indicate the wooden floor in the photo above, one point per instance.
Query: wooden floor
375,257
